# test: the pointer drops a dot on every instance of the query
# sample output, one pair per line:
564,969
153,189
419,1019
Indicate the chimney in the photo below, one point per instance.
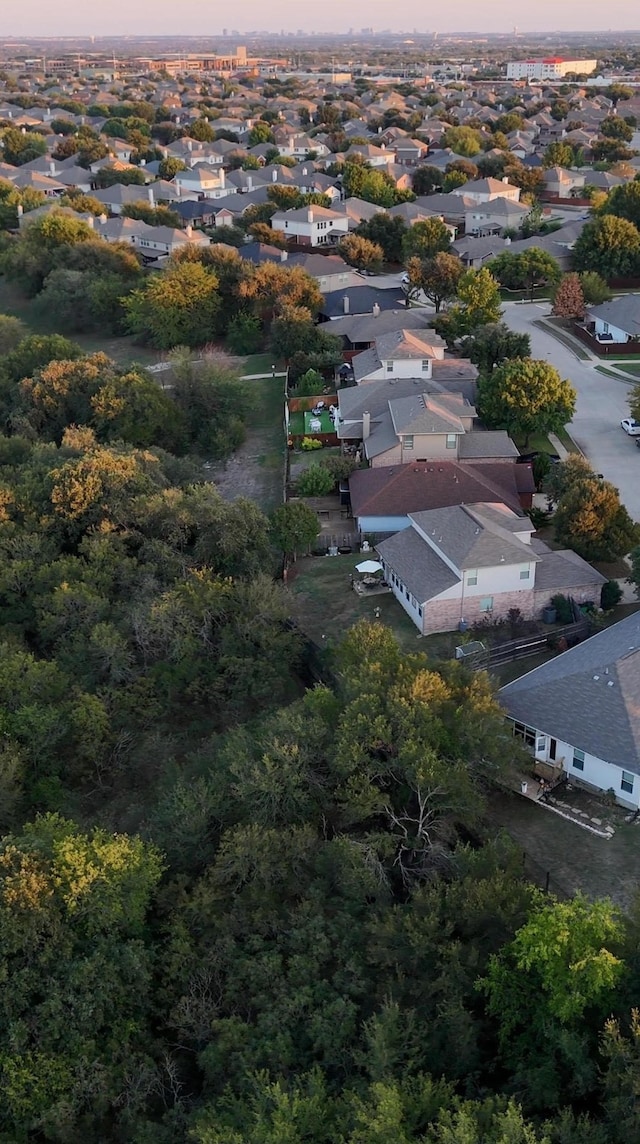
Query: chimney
274,176
103,219
249,183
189,145
284,254
90,221
151,197
20,210
366,425
376,310
143,162
309,215
222,178
188,230
345,304
52,168
505,178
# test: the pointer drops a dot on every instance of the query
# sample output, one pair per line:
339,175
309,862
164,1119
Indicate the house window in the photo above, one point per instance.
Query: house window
426,364
472,579
627,782
486,604
524,573
452,440
420,612
389,366
527,734
578,760
408,441
605,327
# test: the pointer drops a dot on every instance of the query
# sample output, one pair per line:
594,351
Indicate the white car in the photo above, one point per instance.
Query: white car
631,426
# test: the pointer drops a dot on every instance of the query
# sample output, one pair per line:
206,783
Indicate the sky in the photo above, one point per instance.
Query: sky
166,17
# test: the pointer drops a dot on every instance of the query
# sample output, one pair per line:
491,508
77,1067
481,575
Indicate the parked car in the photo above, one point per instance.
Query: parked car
631,426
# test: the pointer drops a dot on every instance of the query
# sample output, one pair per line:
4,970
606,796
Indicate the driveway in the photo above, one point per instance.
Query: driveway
602,403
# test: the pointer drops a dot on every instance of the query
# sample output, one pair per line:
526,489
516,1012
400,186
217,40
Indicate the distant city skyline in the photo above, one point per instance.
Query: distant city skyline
33,18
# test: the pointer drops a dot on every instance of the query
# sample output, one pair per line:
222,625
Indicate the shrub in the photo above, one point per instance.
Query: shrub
541,466
611,595
310,443
563,608
316,481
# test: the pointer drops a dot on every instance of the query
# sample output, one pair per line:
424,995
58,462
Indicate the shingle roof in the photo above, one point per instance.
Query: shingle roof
418,566
423,414
488,443
471,540
400,489
570,697
623,312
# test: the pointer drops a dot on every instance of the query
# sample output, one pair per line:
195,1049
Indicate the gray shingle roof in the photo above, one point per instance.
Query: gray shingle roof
470,539
488,443
418,566
623,312
570,698
422,414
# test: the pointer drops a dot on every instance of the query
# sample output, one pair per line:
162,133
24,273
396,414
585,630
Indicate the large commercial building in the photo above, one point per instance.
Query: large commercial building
552,68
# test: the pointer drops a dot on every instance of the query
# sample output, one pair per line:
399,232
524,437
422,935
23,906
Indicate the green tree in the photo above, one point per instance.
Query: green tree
425,239
610,246
624,202
558,154
244,334
260,133
527,270
437,277
492,344
387,233
294,527
153,216
425,180
463,140
18,149
478,304
615,127
594,288
12,332
177,308
169,167
525,396
316,481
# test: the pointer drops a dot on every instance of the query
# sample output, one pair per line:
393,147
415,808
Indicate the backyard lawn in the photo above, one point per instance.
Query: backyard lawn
261,363
327,606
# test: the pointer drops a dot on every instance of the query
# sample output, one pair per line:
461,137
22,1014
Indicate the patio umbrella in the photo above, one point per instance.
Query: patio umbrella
369,566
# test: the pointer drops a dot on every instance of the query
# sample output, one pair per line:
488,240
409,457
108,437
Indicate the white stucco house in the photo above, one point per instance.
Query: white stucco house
203,180
469,563
616,321
312,226
580,712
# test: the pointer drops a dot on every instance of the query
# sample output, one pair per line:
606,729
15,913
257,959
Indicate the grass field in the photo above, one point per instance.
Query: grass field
539,443
261,363
256,470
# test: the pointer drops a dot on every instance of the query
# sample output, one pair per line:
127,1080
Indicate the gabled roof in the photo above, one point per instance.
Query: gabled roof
419,567
623,313
589,696
470,539
424,414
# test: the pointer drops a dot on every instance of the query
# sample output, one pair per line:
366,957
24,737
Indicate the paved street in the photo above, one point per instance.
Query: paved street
601,405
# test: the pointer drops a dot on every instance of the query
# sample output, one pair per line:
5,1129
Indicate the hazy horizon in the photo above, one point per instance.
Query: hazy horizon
33,18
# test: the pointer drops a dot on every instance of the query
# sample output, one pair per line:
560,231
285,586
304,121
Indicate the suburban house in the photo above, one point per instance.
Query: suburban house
474,252
361,299
204,181
474,562
382,498
484,190
616,321
312,225
416,422
578,713
359,331
494,217
563,184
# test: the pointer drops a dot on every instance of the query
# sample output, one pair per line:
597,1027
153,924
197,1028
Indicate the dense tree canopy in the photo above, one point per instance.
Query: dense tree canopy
524,397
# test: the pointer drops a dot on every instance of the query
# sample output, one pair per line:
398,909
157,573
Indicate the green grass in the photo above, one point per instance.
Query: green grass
327,606
602,369
632,368
261,363
540,443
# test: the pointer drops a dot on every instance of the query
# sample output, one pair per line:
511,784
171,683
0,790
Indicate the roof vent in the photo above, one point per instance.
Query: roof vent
610,683
596,677
502,559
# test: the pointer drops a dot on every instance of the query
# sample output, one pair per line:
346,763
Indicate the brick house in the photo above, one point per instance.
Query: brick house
469,563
